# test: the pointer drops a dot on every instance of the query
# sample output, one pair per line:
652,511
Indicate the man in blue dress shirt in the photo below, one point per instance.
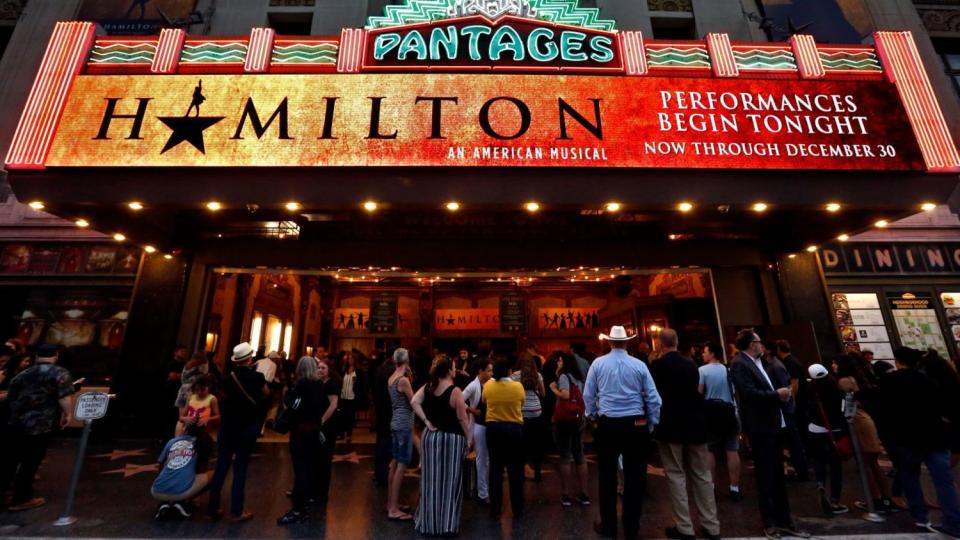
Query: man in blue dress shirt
621,397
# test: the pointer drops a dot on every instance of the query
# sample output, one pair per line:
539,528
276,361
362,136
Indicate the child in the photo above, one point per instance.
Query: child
202,410
179,480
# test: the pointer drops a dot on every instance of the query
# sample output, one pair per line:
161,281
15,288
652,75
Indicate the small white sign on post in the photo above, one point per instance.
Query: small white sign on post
91,406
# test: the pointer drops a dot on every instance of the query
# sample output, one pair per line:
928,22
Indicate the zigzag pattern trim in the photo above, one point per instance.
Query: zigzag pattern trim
566,12
846,60
305,53
122,53
214,53
675,57
765,59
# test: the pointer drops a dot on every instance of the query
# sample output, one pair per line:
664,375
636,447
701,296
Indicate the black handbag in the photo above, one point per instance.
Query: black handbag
285,420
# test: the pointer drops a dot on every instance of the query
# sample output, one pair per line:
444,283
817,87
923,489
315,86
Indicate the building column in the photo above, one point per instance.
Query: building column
628,14
724,16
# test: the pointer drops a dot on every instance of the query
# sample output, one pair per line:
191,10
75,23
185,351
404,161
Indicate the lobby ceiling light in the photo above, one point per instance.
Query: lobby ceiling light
292,206
811,249
136,206
453,206
759,207
685,207
36,205
82,223
613,207
792,256
214,206
928,207
843,237
119,237
673,236
532,207
150,249
168,256
370,206
832,207
881,224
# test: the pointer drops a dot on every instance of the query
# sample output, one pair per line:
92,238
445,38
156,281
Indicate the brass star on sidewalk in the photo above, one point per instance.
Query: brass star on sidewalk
131,469
352,457
121,454
189,129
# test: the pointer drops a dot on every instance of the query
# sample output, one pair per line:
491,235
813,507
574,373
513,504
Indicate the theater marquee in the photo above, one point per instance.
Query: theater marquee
517,83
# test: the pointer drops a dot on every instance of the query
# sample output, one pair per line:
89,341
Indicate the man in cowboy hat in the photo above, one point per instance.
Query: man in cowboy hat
241,415
621,396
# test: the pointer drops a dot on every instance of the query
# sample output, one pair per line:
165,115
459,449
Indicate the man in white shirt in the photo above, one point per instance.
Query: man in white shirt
473,395
268,366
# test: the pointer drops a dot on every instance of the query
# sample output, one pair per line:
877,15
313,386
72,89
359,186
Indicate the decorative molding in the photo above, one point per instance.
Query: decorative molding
685,6
942,20
10,10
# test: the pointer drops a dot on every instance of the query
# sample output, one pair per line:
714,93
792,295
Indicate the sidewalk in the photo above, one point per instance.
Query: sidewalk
114,502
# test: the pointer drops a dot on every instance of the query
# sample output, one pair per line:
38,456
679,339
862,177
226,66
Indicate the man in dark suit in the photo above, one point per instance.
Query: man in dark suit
682,436
762,418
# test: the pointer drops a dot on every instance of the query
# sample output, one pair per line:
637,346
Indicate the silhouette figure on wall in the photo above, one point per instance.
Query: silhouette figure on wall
198,99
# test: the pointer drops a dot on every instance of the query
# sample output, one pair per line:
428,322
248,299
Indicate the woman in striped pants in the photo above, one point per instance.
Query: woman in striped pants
446,441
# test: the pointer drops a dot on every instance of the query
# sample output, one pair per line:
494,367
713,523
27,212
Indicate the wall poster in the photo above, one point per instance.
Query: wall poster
951,306
861,324
917,323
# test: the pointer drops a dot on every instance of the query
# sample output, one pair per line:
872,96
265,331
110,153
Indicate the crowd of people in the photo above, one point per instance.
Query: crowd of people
469,420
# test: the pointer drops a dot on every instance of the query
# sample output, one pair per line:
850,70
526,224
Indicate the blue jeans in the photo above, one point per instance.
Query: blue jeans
908,462
234,445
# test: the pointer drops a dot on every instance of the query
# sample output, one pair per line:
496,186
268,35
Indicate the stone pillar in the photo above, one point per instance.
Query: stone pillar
724,16
628,14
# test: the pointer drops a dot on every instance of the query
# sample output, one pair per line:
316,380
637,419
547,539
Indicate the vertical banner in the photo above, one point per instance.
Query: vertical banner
383,313
513,313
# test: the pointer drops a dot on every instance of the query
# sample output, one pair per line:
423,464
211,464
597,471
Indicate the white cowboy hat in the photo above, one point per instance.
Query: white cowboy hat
617,333
242,352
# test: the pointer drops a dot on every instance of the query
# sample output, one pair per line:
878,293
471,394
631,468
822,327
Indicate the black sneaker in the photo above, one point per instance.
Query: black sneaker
582,499
675,534
292,517
772,533
792,530
566,501
837,509
179,508
736,496
162,511
923,526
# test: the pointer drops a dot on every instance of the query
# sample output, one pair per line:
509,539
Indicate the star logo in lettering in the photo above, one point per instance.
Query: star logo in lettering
132,469
351,457
122,454
189,129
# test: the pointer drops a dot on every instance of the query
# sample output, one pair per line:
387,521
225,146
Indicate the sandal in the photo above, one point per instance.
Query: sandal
401,517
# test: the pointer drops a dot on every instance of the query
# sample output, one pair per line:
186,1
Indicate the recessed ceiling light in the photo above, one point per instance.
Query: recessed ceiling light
82,223
453,206
36,205
792,256
833,207
928,207
119,237
843,237
292,206
532,206
370,206
685,207
613,207
673,236
214,206
811,249
759,207
881,224
135,205
168,256
150,249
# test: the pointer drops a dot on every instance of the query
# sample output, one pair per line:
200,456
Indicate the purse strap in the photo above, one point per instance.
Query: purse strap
233,375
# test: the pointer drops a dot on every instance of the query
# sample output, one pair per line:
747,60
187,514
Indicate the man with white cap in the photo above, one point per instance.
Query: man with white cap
621,397
241,415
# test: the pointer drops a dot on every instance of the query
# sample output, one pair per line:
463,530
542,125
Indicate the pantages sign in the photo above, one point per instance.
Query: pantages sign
480,83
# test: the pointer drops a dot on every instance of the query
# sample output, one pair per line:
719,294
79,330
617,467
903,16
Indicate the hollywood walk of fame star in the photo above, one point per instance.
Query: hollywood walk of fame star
131,469
122,454
189,129
351,457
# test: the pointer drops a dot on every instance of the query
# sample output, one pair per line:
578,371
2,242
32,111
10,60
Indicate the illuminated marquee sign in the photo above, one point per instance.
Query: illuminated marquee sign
562,88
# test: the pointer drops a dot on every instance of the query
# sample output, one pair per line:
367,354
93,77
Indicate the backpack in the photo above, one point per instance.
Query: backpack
572,409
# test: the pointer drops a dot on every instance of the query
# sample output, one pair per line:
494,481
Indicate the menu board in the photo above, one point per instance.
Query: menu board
513,313
861,324
383,313
951,306
917,322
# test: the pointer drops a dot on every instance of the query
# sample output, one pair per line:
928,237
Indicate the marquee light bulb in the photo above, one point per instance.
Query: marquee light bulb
881,224
685,207
119,237
453,206
928,207
532,206
792,256
36,205
843,237
760,207
214,206
833,207
82,223
370,206
136,206
292,206
613,207
150,249
811,249
168,256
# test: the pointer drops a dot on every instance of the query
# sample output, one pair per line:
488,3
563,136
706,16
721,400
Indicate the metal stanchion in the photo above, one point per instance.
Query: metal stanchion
89,407
850,412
